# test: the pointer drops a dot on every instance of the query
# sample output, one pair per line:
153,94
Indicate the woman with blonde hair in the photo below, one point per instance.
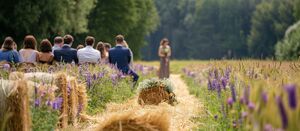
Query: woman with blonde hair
103,52
164,52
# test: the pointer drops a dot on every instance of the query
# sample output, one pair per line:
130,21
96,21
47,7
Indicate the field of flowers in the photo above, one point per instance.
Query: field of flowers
246,95
102,83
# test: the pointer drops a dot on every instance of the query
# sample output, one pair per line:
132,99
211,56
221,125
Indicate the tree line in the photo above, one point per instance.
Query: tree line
103,19
197,29
216,29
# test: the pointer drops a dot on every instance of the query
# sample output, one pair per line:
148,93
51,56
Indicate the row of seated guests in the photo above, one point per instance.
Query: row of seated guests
61,51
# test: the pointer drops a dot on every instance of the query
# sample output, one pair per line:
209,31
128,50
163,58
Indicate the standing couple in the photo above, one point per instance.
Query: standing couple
121,56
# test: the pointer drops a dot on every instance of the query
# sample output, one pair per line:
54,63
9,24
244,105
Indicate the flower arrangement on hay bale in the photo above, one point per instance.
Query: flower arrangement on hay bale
155,91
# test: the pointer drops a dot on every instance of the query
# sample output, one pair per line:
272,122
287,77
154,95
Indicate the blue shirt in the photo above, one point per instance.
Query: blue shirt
11,56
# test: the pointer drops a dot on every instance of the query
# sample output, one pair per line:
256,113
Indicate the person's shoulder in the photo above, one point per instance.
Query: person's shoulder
14,51
21,50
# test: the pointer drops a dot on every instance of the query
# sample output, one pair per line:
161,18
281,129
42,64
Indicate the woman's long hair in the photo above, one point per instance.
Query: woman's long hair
100,47
163,41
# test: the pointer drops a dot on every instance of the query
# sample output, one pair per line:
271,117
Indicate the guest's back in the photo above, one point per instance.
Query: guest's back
7,54
120,56
88,54
66,53
29,54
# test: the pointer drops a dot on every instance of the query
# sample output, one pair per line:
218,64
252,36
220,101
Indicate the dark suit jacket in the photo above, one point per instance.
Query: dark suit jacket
66,54
120,56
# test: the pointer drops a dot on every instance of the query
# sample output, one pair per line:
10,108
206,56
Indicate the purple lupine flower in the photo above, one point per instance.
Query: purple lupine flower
234,124
101,75
218,87
251,106
113,78
6,67
268,127
291,90
264,97
227,73
224,82
55,105
244,114
216,73
283,114
48,103
230,101
209,85
88,80
233,93
37,102
94,77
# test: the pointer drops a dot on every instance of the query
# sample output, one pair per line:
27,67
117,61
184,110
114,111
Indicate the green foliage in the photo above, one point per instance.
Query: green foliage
154,82
289,47
269,22
44,118
104,91
43,18
133,18
203,29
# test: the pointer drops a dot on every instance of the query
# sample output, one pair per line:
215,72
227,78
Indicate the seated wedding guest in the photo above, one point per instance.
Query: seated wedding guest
15,46
80,46
45,55
107,47
121,57
88,54
58,43
131,60
7,53
29,53
103,52
66,54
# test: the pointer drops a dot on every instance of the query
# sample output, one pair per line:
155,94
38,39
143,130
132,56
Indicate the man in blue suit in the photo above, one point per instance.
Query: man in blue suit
66,54
121,57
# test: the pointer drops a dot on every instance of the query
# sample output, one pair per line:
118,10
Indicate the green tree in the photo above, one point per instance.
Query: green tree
43,18
289,47
269,22
133,18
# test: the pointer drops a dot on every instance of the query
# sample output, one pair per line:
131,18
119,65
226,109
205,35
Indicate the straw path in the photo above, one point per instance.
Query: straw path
181,115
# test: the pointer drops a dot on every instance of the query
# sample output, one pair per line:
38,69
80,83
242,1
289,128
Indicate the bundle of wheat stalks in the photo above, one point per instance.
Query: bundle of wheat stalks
74,97
154,120
155,91
14,106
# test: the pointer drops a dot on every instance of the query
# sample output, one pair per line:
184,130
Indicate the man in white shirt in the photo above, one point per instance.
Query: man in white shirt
58,43
89,54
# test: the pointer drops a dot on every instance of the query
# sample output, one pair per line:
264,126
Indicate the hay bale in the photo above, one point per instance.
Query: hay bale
155,91
153,96
15,102
82,99
158,120
40,77
16,76
61,83
73,100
